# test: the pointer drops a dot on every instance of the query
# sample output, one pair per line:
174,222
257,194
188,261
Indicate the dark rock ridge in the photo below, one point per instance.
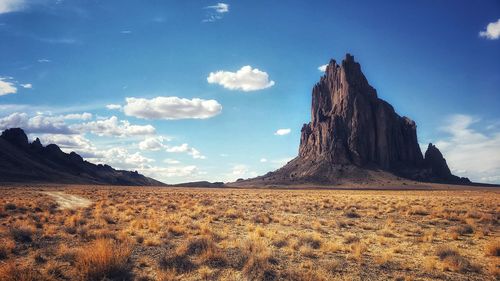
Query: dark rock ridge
355,135
21,161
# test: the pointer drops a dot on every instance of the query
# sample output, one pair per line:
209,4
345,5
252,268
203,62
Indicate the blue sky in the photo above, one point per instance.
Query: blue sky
195,90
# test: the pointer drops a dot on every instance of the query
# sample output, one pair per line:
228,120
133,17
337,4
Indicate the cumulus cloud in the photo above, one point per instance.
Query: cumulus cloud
282,132
246,79
263,160
27,86
169,172
470,152
171,108
7,6
171,161
322,68
69,143
492,31
152,143
114,127
78,116
240,171
36,124
6,86
113,106
185,148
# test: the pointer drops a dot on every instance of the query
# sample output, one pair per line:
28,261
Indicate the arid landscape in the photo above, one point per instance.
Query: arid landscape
249,140
52,232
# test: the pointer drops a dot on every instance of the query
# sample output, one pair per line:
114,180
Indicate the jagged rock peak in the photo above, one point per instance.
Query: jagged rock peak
15,136
351,125
353,132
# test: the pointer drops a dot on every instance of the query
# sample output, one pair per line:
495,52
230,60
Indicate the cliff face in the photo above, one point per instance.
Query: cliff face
354,135
351,125
21,161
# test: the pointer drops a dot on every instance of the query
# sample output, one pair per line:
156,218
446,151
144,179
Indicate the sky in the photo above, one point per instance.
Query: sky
205,90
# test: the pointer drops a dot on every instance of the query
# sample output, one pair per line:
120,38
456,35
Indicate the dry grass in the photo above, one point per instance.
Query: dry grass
103,259
230,234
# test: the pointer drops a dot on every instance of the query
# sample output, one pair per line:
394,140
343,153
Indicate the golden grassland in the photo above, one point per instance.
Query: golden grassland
144,233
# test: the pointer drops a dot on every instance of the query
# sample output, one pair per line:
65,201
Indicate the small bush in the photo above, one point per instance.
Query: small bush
22,233
10,207
11,272
104,259
352,214
493,248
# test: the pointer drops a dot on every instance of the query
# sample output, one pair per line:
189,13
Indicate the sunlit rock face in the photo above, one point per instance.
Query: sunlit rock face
357,136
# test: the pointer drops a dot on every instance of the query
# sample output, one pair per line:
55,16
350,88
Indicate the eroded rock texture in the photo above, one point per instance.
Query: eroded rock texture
354,134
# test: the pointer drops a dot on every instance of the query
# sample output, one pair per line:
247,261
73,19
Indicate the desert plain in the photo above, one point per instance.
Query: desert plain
73,232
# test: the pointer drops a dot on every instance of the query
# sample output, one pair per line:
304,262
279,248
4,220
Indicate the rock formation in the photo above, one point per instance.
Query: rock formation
21,161
355,135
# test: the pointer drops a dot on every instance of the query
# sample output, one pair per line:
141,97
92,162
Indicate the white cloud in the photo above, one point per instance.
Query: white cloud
121,158
282,132
152,143
492,30
185,148
168,172
69,143
36,124
27,86
220,8
240,171
263,160
7,87
469,152
44,60
113,106
78,116
171,108
171,161
125,31
7,6
216,12
322,68
245,79
114,127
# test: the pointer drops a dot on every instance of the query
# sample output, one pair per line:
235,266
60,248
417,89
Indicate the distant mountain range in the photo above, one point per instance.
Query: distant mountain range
22,161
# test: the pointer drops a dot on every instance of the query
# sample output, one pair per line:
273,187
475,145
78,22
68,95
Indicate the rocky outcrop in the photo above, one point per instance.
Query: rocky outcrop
353,134
21,161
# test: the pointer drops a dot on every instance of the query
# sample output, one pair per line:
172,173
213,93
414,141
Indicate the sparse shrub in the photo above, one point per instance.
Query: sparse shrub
349,239
352,214
176,230
196,246
419,211
177,262
357,250
233,213
22,233
12,272
452,260
257,265
493,248
262,218
384,260
312,240
9,207
104,259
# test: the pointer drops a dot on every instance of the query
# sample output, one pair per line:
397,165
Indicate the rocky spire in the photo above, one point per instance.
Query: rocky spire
351,125
353,135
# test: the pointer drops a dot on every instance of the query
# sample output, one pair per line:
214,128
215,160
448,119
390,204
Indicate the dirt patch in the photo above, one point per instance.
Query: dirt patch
68,201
